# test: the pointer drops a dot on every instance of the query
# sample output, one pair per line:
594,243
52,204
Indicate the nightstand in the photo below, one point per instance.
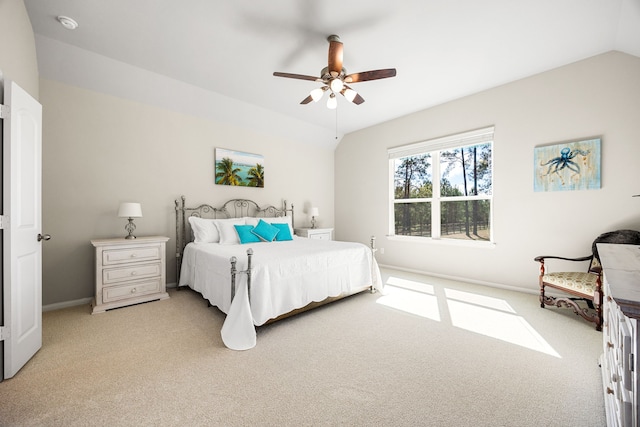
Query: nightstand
315,233
129,271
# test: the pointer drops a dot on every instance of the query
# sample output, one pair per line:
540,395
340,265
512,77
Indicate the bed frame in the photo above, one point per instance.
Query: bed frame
234,208
239,208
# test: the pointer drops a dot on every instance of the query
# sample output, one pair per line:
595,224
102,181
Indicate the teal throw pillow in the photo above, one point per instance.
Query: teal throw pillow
265,231
245,235
284,233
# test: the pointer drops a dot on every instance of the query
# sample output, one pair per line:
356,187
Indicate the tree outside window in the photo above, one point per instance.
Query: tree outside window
444,193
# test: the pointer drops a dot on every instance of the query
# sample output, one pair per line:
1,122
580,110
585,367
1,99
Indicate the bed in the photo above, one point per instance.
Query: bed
246,261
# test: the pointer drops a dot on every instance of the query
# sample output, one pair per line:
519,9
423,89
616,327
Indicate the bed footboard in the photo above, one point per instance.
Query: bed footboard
234,272
372,245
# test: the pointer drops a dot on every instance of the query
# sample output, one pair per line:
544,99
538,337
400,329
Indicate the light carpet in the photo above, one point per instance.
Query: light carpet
432,352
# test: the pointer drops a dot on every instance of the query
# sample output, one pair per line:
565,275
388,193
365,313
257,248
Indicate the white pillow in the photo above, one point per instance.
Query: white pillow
250,220
204,230
227,231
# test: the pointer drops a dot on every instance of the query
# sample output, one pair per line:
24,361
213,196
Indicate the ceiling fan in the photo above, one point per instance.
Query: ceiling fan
334,78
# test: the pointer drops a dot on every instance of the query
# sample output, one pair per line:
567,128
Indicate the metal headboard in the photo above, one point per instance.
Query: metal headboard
234,208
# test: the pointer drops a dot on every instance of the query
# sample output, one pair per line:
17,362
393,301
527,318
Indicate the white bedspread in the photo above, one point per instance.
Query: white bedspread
285,276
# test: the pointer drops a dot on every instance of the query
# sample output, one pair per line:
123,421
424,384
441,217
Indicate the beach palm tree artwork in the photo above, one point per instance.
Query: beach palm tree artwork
256,176
239,168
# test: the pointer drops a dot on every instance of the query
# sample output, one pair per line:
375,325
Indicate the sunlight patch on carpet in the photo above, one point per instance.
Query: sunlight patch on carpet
494,318
411,297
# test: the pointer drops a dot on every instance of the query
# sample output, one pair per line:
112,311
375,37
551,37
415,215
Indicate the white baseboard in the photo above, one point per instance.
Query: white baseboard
464,279
82,301
66,304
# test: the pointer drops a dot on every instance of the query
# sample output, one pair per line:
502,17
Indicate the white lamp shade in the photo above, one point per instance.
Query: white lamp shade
336,85
316,94
314,212
350,94
332,102
130,210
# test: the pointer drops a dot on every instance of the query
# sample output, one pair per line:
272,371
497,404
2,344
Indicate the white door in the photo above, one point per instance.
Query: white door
22,249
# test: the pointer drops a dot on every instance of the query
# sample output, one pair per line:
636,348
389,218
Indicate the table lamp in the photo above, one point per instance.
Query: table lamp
313,212
130,211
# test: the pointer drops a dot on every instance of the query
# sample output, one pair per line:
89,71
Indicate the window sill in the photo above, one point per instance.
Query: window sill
446,242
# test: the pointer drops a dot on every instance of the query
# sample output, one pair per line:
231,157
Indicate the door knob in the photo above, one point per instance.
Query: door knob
42,237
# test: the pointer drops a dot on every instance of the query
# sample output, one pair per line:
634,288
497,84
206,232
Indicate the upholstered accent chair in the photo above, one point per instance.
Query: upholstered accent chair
582,285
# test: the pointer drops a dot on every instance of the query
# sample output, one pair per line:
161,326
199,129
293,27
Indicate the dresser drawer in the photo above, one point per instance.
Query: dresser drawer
134,272
321,236
136,254
116,293
315,233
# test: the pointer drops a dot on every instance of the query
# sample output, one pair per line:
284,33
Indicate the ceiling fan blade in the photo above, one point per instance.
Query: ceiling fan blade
370,75
307,100
297,76
335,55
358,99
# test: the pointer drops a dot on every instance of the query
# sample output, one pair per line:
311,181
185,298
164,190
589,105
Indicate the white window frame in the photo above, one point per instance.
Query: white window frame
434,147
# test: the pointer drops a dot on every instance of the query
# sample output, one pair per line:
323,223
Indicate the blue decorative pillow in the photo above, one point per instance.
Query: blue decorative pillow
284,233
265,231
245,234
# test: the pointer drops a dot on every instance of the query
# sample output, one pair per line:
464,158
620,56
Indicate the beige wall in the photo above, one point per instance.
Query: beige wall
17,47
100,150
596,97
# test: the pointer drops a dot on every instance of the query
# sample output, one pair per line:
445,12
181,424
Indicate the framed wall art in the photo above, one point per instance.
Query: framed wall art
238,168
567,166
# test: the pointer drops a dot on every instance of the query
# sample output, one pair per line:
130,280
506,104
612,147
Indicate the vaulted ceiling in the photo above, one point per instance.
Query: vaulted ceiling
442,49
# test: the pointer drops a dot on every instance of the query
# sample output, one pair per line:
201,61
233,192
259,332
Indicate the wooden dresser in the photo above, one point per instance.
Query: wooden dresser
621,311
129,271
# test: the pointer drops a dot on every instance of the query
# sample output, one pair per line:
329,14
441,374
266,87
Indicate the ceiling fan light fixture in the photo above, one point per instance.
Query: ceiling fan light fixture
316,94
332,102
334,78
350,94
336,85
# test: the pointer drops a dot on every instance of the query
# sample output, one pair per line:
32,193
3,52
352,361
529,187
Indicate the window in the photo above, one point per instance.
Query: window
442,188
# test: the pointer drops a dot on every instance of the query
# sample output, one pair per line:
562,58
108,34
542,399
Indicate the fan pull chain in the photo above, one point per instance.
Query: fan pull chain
336,122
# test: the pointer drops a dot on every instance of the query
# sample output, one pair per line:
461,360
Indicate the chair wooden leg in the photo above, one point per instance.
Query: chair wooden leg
597,302
541,296
583,312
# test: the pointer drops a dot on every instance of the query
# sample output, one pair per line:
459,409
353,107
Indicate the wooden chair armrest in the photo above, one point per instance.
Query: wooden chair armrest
595,270
543,257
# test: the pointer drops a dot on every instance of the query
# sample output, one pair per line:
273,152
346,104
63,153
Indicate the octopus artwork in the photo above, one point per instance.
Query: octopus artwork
557,164
571,166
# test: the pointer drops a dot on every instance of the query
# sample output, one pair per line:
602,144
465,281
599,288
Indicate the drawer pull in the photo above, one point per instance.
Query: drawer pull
609,390
133,291
609,344
133,255
609,298
133,273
